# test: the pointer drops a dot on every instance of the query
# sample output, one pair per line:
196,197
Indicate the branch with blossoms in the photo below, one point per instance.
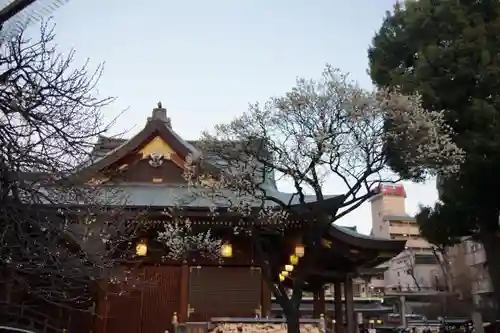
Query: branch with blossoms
181,240
322,130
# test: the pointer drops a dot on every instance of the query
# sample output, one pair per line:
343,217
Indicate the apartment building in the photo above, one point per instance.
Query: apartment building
470,276
416,268
467,264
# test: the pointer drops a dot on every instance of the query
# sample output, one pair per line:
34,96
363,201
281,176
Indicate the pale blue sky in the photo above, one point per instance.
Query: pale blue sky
206,60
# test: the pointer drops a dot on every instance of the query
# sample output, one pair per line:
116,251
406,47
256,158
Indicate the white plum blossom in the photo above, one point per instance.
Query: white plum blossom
180,241
331,129
321,130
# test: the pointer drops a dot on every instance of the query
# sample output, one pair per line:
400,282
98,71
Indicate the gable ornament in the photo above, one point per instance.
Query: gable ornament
155,159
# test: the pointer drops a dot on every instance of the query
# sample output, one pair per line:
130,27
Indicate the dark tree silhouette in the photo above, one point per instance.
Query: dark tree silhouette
17,14
56,238
448,51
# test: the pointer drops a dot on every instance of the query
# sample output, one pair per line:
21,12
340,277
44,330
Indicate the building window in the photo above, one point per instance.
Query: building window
473,247
425,259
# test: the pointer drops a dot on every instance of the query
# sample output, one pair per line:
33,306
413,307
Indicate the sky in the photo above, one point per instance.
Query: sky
206,60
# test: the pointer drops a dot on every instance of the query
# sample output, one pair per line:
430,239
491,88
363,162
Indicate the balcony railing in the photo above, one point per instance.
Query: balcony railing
394,291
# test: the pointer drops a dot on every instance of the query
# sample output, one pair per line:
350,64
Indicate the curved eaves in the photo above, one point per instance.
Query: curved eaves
365,242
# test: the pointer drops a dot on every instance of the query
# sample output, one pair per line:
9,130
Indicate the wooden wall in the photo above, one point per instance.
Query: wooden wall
147,307
208,291
224,292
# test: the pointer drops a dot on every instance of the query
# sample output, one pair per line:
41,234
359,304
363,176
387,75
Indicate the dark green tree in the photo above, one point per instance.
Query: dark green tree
449,51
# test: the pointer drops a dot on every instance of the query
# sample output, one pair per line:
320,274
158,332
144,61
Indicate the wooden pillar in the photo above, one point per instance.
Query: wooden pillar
100,317
106,315
316,311
266,298
339,318
184,294
319,302
349,306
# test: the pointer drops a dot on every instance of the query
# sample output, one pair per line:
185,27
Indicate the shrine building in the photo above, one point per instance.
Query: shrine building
148,171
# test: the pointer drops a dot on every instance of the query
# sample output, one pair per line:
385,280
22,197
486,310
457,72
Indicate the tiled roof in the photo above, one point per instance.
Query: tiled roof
353,231
106,144
150,195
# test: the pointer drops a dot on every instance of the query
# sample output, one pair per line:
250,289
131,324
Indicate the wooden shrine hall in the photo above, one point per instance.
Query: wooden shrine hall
148,170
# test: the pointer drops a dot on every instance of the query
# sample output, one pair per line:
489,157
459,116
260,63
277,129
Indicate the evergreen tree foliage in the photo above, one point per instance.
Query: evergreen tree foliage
449,51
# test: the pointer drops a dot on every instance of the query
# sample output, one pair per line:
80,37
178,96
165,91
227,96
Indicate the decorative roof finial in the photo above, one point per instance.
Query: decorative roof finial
160,113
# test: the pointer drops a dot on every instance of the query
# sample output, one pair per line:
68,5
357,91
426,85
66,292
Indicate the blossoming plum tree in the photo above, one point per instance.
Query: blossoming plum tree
180,240
326,129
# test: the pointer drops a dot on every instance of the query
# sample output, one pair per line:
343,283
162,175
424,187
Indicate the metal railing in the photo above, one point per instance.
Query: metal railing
23,317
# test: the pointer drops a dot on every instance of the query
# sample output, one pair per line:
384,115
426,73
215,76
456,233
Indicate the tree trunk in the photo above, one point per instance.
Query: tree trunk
411,271
292,320
288,306
491,244
443,264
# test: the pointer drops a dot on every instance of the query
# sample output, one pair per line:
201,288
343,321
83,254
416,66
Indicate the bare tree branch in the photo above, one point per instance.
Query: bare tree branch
57,236
18,14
